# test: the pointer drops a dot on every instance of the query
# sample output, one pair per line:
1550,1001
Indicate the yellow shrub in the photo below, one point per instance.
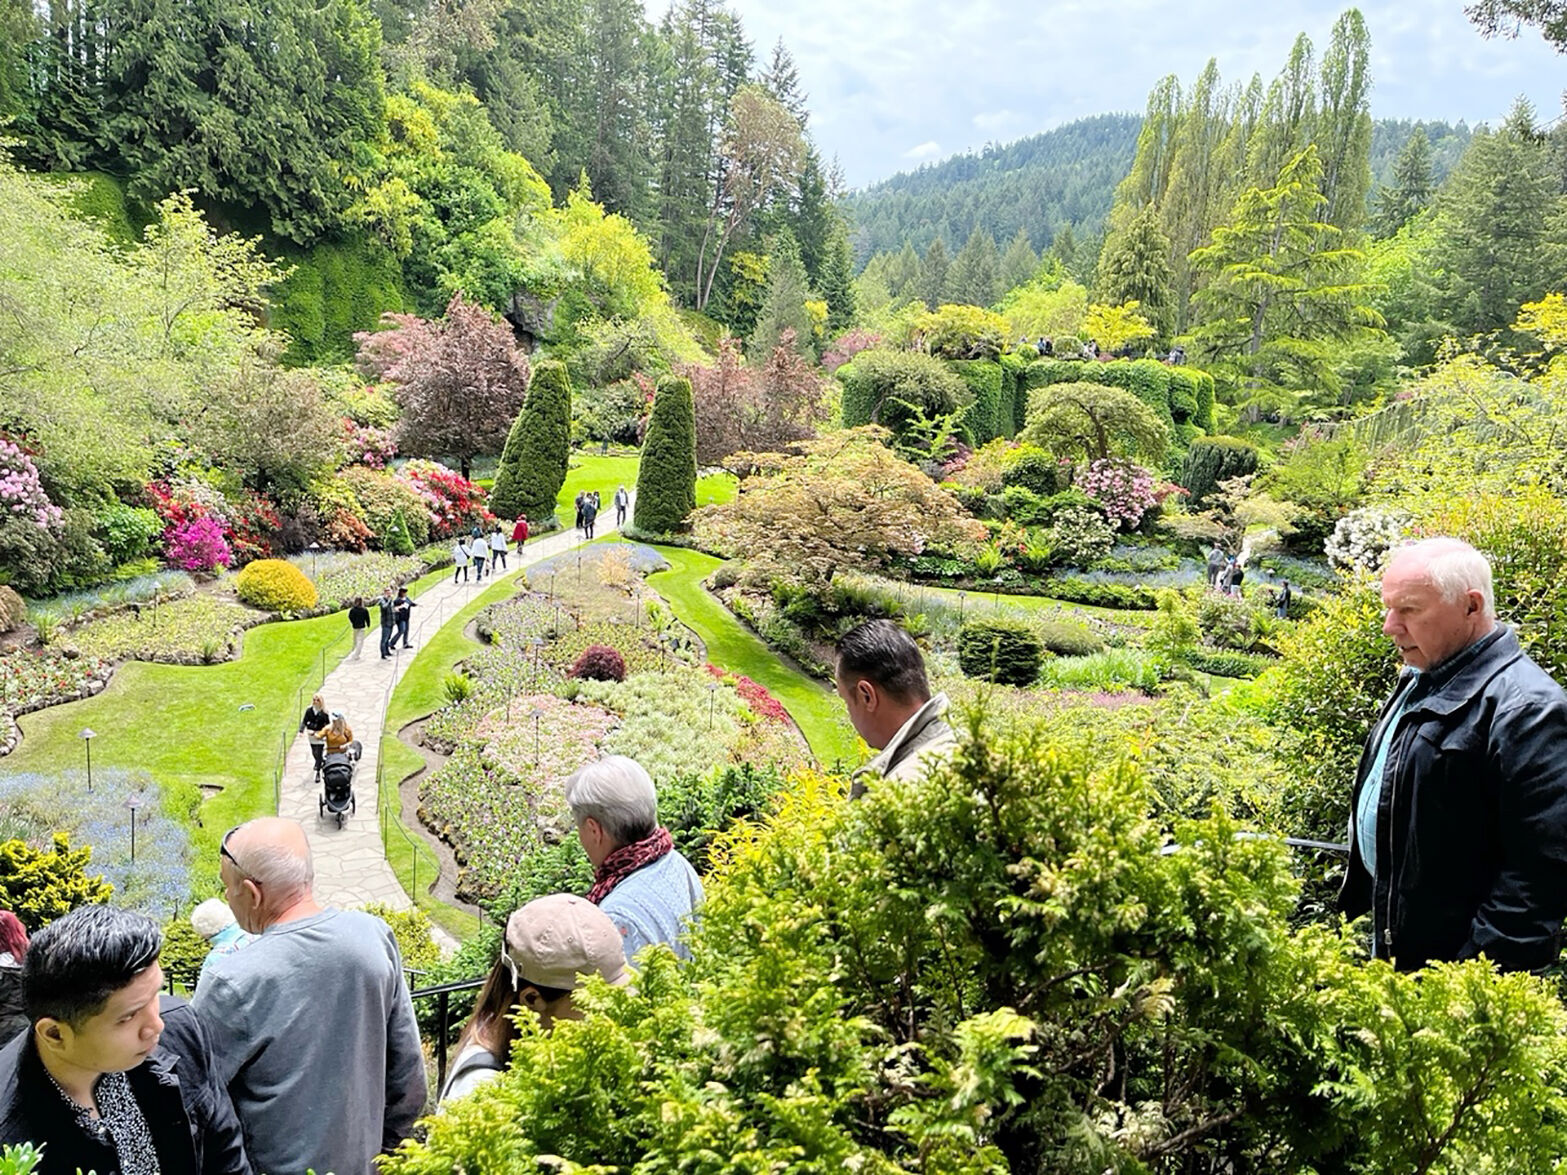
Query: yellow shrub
275,585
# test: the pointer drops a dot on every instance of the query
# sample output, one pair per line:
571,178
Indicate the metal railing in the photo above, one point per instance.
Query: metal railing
442,993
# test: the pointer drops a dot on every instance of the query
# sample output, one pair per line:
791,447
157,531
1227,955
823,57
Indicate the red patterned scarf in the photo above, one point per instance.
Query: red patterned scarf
627,859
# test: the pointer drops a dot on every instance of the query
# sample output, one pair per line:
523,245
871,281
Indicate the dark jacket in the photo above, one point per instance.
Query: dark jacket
1472,819
13,1016
187,1109
359,616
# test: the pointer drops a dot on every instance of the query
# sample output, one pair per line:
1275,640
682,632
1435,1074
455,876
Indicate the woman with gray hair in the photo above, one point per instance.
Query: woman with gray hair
647,888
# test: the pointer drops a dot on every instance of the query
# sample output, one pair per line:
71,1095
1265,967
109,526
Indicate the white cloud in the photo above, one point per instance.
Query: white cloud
926,150
996,120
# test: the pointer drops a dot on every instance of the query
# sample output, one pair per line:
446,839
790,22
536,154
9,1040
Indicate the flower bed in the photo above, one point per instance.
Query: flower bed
340,576
194,631
31,681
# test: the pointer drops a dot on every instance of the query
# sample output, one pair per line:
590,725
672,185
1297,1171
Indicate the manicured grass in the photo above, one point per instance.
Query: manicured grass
816,709
990,603
185,724
589,471
715,489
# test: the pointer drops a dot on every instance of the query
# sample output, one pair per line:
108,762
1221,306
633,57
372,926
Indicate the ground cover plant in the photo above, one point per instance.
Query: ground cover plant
197,629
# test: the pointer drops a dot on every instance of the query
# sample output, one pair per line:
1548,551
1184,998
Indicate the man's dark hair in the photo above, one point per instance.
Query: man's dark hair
77,962
881,652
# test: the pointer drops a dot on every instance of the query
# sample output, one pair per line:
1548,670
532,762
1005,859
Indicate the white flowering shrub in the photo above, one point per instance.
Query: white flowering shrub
1362,538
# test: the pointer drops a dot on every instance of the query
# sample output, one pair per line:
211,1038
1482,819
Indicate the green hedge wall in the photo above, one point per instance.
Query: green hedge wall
987,417
335,289
1211,460
1179,395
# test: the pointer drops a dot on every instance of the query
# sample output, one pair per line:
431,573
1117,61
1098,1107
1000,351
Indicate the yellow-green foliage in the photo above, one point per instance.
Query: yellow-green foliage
275,585
411,928
40,885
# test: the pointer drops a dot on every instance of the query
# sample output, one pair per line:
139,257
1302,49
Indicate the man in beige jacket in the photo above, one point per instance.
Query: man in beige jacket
881,678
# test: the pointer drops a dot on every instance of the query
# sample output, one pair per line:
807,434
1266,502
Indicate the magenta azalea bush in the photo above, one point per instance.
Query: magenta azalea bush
197,544
1126,491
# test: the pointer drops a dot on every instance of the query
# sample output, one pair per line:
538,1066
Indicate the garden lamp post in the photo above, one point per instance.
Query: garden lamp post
87,734
538,651
314,550
579,566
536,716
712,696
134,801
962,596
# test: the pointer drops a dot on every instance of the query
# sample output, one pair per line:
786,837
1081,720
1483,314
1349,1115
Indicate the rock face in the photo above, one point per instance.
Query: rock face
12,609
531,317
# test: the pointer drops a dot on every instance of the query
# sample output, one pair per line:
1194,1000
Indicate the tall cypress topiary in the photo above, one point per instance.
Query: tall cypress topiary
533,464
666,479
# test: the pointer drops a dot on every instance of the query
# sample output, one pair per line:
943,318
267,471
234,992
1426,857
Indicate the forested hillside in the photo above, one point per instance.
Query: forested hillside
1064,177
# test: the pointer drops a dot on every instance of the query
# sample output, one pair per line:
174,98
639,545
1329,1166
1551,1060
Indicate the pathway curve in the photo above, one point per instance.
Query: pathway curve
351,865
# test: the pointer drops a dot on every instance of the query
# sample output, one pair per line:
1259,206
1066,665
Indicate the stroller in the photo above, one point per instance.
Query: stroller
337,784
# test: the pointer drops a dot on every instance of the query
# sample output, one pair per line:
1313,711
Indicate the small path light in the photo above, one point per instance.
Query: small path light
87,734
962,596
315,549
134,801
536,715
712,696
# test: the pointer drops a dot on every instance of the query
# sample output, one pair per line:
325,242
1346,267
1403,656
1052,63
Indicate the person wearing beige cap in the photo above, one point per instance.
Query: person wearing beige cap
550,944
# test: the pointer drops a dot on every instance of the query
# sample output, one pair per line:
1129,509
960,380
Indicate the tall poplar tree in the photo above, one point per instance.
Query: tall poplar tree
1343,130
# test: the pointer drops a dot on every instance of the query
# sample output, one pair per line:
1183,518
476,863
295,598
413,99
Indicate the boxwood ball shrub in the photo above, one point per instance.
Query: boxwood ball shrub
1003,651
666,478
600,663
275,585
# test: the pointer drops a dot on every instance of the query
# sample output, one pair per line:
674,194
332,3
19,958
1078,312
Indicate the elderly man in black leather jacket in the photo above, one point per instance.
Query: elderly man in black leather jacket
1458,826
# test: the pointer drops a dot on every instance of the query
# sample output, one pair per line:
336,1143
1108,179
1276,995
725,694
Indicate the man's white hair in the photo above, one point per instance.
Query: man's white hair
1454,568
618,793
276,867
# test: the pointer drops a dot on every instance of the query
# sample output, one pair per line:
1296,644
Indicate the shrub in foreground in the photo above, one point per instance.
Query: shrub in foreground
940,978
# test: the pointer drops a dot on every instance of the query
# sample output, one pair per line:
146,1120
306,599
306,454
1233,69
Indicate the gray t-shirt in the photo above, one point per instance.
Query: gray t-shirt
313,1030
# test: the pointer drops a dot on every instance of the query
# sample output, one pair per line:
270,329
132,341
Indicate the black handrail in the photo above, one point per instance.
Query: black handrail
442,993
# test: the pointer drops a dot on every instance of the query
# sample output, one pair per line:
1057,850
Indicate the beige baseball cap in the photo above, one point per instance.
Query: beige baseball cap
554,939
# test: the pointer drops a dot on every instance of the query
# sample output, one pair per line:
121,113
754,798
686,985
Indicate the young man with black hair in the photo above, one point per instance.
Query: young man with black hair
881,678
112,1077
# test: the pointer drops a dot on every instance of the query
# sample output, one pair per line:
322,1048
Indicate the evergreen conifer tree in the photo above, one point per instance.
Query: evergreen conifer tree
1412,186
783,305
1018,263
972,279
666,478
1135,265
533,464
837,282
933,274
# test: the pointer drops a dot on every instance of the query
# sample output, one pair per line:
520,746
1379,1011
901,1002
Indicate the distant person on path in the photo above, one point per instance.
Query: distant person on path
590,513
215,922
550,944
1285,596
388,606
311,1024
622,504
1216,561
460,560
497,548
359,621
1237,577
13,953
881,678
1458,819
582,498
313,726
478,550
1046,347
647,888
519,532
402,614
112,1076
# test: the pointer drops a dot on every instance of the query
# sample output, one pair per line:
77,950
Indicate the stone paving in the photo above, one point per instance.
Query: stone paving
351,866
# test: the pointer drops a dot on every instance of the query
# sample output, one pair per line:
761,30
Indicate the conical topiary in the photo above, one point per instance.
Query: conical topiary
666,479
533,464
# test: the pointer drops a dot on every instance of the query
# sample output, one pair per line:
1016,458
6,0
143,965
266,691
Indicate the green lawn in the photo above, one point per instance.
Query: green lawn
185,724
731,645
589,471
715,489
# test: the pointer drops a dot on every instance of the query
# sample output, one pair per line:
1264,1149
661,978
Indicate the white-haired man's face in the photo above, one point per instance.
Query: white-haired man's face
1426,628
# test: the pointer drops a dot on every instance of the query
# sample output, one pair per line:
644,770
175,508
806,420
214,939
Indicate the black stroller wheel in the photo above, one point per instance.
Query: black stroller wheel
342,819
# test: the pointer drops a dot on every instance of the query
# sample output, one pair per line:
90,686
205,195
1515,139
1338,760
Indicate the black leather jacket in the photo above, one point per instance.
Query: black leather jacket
1472,819
187,1108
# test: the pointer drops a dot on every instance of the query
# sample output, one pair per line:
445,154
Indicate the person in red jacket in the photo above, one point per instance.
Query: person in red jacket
519,533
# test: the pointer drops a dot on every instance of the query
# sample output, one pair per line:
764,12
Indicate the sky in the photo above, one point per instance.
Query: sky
893,84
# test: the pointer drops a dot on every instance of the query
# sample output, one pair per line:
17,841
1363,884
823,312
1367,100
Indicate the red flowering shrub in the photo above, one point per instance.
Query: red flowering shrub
368,446
599,663
753,694
346,531
253,523
455,504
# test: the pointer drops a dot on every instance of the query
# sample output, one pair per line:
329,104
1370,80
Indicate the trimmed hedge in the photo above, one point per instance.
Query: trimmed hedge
1065,639
666,478
533,464
1226,663
873,377
1180,395
1003,651
988,416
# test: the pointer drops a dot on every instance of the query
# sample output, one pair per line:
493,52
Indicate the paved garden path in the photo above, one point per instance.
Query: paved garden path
351,866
